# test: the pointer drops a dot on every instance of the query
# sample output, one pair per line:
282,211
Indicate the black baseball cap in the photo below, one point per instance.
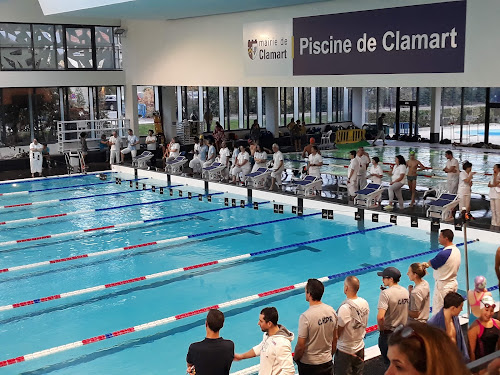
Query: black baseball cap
390,272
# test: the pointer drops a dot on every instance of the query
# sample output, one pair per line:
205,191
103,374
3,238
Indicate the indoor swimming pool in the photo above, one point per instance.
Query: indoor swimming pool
90,263
482,163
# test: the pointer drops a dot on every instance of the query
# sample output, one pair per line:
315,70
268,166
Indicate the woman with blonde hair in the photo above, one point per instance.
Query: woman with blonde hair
420,349
420,301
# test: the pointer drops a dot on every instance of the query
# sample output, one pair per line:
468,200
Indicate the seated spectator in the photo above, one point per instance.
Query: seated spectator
200,155
447,320
420,294
260,157
375,172
151,146
241,165
213,355
484,333
224,159
420,349
173,150
475,296
104,147
397,181
212,153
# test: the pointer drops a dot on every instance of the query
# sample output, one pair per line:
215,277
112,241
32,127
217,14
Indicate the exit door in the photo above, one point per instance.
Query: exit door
406,118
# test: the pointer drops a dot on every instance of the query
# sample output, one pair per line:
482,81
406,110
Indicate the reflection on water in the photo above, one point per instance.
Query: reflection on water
435,158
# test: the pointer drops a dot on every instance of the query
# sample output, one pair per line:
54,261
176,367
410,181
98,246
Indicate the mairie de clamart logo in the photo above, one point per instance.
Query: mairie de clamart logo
268,49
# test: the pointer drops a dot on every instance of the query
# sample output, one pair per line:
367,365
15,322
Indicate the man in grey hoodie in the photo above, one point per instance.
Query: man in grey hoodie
275,350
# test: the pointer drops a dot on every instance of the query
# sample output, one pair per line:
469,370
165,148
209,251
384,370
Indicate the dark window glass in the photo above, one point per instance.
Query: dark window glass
47,113
104,47
44,43
15,46
79,48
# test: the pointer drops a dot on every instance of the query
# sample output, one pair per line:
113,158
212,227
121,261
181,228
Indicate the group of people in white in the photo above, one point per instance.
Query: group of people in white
238,162
404,172
331,341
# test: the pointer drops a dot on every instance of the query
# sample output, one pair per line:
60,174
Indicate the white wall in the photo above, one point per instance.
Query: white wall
29,11
208,51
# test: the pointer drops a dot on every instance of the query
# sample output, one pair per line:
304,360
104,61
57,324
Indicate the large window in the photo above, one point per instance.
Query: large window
16,116
16,46
305,104
474,114
249,105
146,104
321,105
211,104
47,113
371,105
77,103
52,47
286,105
231,108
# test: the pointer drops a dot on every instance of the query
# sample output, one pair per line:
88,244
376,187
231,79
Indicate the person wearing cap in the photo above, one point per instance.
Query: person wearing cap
317,333
353,320
484,333
307,150
447,320
392,307
445,264
315,162
474,296
413,165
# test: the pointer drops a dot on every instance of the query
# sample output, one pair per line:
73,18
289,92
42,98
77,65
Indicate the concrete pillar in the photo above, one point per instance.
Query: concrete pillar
329,104
435,113
222,118
241,121
272,104
131,107
313,105
358,105
168,110
295,103
259,106
201,111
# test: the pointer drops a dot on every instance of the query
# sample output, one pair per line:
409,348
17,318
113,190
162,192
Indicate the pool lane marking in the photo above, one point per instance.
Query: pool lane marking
171,319
54,178
184,269
129,224
63,187
159,242
76,198
83,212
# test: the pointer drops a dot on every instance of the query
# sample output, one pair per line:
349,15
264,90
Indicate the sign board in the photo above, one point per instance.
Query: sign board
428,38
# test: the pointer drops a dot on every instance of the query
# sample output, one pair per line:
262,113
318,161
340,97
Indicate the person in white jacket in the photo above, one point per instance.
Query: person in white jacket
275,350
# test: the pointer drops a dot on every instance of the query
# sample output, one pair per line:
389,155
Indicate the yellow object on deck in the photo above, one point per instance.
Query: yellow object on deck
349,136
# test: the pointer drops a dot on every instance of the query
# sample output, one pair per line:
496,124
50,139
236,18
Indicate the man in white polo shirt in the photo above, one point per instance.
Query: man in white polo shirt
445,264
278,166
317,333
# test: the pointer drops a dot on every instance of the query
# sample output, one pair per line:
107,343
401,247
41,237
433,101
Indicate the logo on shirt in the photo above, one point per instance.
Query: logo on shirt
325,320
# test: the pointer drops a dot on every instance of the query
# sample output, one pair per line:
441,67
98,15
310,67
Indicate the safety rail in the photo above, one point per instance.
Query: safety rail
349,136
68,132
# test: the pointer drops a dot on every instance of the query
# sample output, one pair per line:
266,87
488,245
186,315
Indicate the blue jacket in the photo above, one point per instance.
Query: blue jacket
438,321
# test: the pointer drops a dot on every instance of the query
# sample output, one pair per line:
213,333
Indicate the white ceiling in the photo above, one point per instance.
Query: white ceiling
158,9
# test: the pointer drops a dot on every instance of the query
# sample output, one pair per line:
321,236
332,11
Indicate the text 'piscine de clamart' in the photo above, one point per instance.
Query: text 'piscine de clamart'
392,40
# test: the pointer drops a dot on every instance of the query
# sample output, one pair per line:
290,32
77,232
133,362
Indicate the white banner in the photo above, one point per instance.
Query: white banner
267,48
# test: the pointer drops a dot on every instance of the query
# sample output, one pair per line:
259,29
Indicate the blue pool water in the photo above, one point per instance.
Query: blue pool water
435,158
163,349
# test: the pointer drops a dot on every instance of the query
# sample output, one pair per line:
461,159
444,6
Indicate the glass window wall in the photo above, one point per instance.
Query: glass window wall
16,49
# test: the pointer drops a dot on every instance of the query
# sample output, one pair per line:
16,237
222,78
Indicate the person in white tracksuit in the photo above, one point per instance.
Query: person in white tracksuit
275,349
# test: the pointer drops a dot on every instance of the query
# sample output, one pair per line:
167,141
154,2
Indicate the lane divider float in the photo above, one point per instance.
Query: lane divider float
171,319
25,192
83,212
30,180
143,245
113,226
179,270
47,202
